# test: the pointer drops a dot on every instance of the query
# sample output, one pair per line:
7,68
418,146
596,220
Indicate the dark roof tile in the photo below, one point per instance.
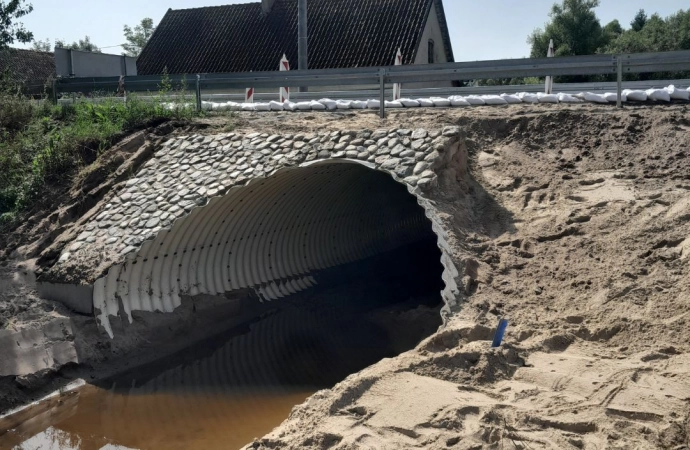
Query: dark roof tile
27,66
241,38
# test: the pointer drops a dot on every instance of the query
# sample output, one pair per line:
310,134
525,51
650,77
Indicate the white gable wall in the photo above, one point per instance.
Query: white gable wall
432,30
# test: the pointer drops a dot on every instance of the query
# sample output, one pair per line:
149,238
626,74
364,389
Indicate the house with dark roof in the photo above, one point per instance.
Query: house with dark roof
28,68
254,36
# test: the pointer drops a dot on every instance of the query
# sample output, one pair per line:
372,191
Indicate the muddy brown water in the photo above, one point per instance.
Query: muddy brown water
224,392
225,397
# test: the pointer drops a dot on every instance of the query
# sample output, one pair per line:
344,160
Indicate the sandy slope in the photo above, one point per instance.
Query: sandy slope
575,225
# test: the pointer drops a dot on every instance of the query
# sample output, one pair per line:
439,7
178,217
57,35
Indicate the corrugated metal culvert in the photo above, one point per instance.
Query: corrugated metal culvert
273,235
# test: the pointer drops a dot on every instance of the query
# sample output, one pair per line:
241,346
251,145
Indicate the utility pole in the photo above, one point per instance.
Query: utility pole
302,44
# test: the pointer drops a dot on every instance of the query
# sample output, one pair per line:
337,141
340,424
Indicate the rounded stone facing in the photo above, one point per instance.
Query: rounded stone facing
186,172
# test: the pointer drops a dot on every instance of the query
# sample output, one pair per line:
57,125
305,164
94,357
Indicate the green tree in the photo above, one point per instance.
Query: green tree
654,34
12,31
42,46
138,37
639,21
613,30
85,45
574,28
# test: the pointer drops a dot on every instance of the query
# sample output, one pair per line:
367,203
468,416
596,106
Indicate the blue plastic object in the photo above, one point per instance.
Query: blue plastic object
500,332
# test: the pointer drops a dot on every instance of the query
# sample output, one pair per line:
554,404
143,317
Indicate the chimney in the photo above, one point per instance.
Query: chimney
267,5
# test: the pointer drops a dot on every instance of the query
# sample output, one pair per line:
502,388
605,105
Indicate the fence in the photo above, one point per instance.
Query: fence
383,76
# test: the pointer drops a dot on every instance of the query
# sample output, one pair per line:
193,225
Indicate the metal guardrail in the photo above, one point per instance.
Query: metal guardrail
382,76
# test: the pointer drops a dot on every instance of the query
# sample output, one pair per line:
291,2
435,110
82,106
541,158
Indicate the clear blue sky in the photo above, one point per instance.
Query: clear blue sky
485,29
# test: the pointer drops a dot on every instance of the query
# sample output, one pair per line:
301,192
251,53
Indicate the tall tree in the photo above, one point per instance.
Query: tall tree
138,37
612,30
42,46
12,31
574,28
639,21
85,45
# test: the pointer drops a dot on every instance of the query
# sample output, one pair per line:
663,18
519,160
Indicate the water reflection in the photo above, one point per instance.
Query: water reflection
225,393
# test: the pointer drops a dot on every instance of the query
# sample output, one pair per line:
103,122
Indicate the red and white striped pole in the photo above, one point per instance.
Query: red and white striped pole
284,91
249,95
548,88
397,87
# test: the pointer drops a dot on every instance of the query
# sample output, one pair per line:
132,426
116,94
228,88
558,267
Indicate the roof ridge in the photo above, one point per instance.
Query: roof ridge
230,5
27,50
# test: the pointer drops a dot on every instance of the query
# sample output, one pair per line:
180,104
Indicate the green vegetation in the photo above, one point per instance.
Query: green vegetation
11,30
576,30
43,146
138,37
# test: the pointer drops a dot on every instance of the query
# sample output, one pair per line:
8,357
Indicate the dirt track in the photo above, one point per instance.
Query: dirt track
574,223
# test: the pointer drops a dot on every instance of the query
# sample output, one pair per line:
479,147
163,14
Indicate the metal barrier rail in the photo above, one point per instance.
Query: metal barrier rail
382,76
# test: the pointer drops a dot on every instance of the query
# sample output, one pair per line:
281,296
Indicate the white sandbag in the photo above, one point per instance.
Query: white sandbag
234,106
458,100
358,104
263,106
393,104
526,97
511,98
275,106
441,102
289,106
475,100
342,104
317,106
659,95
613,97
303,106
248,107
329,104
594,98
409,103
373,104
635,95
567,98
494,100
678,94
207,106
547,98
425,102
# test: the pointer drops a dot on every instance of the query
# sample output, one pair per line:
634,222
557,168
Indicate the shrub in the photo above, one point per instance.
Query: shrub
43,146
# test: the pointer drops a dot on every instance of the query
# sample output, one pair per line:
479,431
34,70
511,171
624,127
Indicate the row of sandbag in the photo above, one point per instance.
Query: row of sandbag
663,95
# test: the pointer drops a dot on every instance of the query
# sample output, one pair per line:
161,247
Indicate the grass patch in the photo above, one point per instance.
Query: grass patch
42,147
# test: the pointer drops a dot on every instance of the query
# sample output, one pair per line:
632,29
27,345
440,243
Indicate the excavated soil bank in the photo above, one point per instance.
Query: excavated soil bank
572,222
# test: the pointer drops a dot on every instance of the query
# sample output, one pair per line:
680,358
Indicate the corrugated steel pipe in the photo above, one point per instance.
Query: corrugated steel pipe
271,235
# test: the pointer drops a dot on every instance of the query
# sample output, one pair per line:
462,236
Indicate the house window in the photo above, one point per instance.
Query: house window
432,59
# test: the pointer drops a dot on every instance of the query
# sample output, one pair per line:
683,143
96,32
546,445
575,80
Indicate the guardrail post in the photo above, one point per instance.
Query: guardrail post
619,86
54,93
198,93
382,79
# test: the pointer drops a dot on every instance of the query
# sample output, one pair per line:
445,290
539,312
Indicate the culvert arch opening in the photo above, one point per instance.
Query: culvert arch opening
329,268
343,253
